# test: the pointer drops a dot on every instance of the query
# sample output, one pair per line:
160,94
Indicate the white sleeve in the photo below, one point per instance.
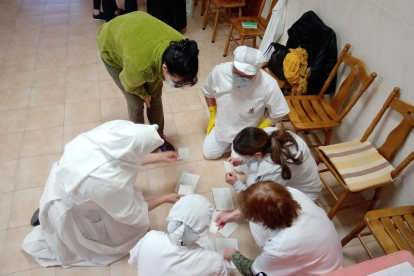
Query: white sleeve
207,88
275,177
223,270
134,253
239,186
276,104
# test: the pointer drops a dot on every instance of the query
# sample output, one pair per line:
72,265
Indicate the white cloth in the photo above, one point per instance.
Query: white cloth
275,27
159,253
240,107
309,247
90,212
304,177
189,4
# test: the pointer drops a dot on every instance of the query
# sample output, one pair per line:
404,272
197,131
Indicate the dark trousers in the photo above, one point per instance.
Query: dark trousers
109,7
97,4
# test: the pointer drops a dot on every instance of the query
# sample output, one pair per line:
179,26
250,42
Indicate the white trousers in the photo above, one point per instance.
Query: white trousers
213,149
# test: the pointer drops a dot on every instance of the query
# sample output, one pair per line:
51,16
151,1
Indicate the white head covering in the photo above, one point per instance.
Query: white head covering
248,60
115,140
190,219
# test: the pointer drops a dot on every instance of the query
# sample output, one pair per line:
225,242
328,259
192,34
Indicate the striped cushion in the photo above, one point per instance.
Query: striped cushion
359,164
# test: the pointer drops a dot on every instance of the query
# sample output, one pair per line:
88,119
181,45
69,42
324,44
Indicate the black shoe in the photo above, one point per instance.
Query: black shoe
35,218
166,146
100,16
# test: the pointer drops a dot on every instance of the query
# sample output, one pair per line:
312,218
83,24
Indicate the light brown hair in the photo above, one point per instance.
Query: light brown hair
269,204
253,139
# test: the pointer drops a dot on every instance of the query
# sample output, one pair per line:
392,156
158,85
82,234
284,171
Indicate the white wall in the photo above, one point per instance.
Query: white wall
381,33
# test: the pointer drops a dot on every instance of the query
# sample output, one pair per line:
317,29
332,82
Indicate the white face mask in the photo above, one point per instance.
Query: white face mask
248,160
240,81
172,84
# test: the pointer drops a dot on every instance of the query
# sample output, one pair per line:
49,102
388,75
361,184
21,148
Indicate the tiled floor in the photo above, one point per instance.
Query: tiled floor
54,86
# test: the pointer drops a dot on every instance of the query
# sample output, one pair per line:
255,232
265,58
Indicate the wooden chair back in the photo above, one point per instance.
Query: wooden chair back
397,136
262,20
393,228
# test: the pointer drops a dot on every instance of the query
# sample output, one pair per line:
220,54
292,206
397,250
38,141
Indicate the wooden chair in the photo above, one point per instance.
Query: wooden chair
236,23
358,166
318,113
220,4
392,228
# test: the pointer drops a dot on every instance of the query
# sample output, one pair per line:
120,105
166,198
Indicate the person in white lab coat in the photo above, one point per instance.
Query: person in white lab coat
277,155
237,94
185,250
90,212
296,236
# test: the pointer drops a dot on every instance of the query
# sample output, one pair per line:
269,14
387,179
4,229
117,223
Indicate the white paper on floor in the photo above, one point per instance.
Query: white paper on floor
222,244
222,199
185,190
229,167
187,179
226,231
183,153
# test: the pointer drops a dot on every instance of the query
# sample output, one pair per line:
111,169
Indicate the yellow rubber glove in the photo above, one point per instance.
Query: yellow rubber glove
264,124
212,121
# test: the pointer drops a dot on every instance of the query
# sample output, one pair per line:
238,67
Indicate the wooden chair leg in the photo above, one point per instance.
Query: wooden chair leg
338,205
358,229
254,42
328,136
206,12
203,6
195,2
240,12
213,38
241,40
226,48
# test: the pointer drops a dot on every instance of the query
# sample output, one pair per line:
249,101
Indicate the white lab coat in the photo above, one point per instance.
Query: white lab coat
90,212
309,247
159,253
240,107
275,27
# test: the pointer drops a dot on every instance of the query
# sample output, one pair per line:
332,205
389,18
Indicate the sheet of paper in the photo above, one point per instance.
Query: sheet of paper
185,190
222,199
187,179
403,269
228,166
228,229
222,244
183,153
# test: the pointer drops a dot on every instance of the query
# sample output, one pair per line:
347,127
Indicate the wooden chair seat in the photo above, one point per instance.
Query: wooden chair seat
228,4
237,23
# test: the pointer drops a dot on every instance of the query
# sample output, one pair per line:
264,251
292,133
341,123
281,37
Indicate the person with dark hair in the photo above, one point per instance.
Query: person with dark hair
295,235
140,52
276,155
97,14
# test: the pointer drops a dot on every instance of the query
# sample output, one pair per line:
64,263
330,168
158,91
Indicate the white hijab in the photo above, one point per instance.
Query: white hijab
114,140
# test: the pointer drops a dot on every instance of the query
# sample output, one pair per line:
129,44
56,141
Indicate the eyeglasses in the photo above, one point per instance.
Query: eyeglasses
189,84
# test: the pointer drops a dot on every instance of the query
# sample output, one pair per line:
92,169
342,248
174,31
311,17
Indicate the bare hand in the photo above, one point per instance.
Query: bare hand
223,218
172,198
228,252
231,178
235,161
147,101
169,156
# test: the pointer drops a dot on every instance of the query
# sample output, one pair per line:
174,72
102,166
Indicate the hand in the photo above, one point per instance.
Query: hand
147,101
231,178
172,198
235,161
228,252
168,156
224,218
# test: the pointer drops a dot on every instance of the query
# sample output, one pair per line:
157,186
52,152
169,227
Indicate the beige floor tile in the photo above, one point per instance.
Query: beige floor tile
82,92
16,48
5,35
161,214
81,56
169,126
53,2
25,203
191,122
8,175
82,113
82,73
143,184
53,46
19,63
12,121
103,73
7,23
50,271
70,132
81,43
109,90
47,77
52,60
79,18
6,200
14,99
184,101
34,171
122,267
16,80
33,2
27,33
79,8
53,32
84,271
42,142
17,259
55,20
9,12
26,11
3,234
3,49
47,95
45,117
206,63
165,104
57,9
83,29
162,185
30,21
194,142
211,173
114,109
10,146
